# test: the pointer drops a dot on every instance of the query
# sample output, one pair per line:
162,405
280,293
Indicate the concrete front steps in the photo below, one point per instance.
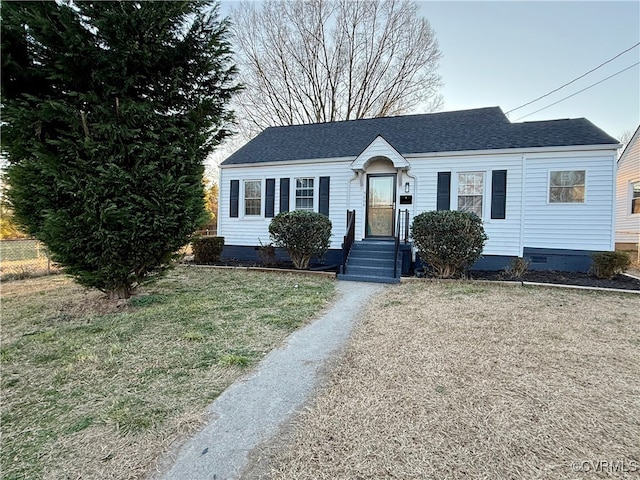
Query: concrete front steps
371,261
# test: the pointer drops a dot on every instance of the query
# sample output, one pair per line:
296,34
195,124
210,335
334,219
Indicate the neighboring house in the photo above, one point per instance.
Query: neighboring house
545,190
628,197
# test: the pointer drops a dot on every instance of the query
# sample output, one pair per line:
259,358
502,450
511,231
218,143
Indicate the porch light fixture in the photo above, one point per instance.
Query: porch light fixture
406,187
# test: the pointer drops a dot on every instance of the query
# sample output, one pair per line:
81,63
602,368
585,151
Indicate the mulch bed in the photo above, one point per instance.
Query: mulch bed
622,282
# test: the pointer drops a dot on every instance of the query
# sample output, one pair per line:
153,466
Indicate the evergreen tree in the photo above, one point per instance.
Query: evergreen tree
109,111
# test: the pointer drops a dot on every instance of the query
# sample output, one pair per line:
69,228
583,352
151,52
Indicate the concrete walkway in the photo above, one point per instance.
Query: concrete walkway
253,408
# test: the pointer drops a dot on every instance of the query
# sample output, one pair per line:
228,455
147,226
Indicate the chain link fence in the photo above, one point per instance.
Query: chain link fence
23,258
26,257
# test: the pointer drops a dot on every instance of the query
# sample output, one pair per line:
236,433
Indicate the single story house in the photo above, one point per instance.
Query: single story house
545,190
628,198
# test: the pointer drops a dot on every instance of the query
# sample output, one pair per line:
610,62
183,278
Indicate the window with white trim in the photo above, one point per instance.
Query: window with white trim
635,197
567,186
470,192
304,194
252,198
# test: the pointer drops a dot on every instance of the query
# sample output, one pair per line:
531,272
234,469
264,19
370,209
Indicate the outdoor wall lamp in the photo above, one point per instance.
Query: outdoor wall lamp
406,187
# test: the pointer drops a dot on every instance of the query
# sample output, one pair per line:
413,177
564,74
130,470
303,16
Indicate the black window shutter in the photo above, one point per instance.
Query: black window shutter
284,195
499,194
235,196
270,194
323,205
444,191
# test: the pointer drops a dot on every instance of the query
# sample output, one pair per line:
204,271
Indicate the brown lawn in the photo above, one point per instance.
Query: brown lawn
458,380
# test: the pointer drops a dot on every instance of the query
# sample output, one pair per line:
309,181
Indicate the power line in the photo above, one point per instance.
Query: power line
579,91
572,81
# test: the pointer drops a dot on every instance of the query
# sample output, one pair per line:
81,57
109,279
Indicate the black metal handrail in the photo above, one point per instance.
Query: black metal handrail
406,226
349,238
402,225
397,238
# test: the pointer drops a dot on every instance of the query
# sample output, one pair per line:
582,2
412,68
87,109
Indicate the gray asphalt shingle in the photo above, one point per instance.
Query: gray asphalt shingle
477,129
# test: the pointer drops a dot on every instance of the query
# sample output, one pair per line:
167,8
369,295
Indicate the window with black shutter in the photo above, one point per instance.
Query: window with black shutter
284,195
234,198
444,191
323,205
269,197
499,194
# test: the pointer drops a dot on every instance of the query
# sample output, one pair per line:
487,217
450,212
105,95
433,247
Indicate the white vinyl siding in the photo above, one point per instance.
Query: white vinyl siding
252,198
627,222
536,223
304,193
504,234
250,231
585,225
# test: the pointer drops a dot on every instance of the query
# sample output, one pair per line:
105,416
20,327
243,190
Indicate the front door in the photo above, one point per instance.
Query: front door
381,202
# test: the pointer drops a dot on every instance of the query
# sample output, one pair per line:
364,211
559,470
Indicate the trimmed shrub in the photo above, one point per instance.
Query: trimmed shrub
608,264
302,234
448,241
207,250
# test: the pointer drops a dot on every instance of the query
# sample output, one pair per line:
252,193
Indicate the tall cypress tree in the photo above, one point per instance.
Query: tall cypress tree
109,110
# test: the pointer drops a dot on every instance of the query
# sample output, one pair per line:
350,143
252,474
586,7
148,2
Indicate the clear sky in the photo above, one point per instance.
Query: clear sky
508,53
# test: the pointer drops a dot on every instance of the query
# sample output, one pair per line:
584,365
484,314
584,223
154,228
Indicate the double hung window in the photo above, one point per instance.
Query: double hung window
304,194
252,198
470,192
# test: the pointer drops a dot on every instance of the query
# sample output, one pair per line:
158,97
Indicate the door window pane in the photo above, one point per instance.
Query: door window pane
380,200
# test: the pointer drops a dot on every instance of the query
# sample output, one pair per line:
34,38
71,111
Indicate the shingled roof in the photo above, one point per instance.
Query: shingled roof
463,130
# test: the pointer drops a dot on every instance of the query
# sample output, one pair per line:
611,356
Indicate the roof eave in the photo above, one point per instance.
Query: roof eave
515,150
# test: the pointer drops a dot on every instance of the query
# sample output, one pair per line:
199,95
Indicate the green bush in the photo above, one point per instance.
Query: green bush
207,250
302,234
608,264
448,241
106,130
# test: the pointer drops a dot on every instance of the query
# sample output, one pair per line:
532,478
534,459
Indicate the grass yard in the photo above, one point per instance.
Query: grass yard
461,381
98,390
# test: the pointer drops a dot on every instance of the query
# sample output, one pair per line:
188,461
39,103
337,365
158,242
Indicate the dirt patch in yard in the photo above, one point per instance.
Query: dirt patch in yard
461,380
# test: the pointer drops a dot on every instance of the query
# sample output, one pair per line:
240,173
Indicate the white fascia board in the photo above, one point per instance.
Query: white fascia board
291,162
461,153
379,147
517,151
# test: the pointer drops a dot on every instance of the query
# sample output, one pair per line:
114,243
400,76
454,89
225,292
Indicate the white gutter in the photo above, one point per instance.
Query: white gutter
567,148
523,193
505,151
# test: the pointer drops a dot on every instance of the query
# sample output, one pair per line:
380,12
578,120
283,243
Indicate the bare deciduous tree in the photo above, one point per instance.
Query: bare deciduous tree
327,60
625,138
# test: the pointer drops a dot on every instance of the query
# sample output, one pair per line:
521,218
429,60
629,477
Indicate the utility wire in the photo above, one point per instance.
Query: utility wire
572,81
579,91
